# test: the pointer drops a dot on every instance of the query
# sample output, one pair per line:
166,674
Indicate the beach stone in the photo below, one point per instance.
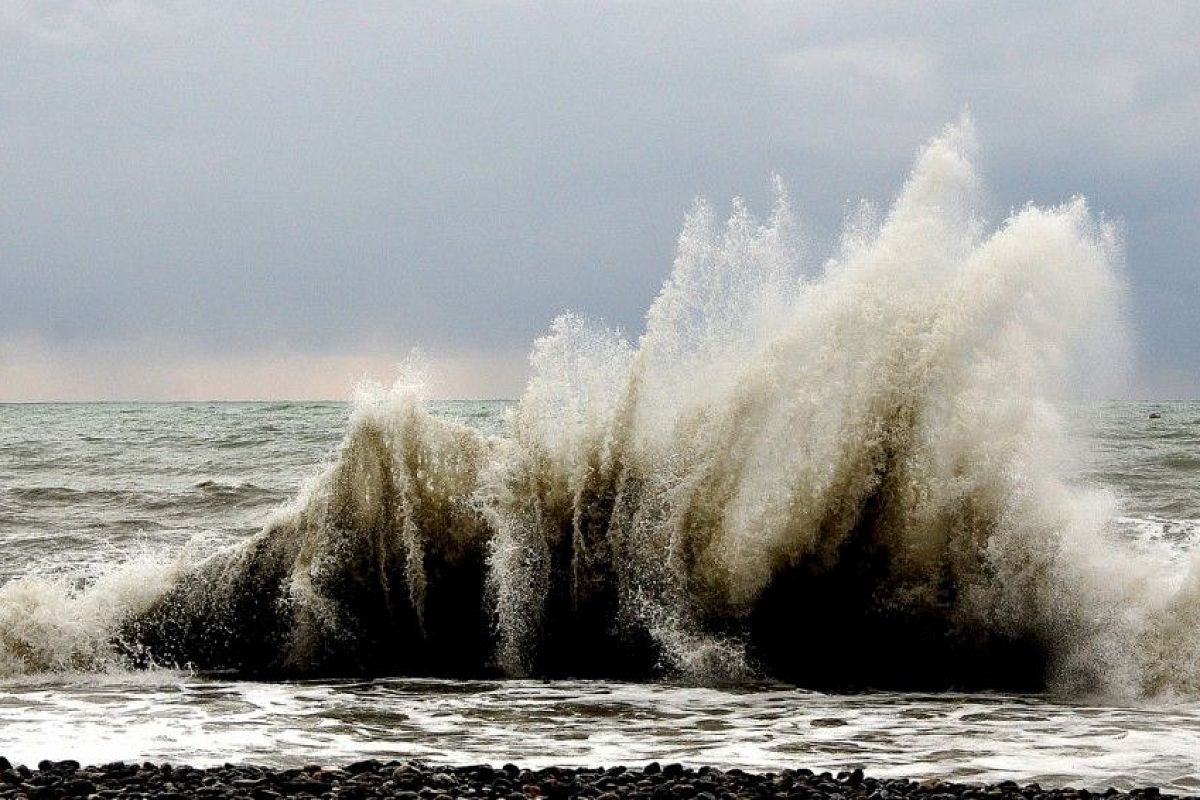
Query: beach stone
556,789
80,787
443,780
369,765
310,786
413,781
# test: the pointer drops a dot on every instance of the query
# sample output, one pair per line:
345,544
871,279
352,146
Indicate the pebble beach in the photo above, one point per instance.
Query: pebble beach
415,781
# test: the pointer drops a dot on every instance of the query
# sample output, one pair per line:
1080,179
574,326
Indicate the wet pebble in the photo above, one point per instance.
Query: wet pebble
372,778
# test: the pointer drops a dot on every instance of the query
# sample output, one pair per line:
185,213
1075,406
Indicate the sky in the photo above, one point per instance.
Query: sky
252,199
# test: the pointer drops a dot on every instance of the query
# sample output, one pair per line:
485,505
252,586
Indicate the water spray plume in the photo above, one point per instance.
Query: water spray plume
840,474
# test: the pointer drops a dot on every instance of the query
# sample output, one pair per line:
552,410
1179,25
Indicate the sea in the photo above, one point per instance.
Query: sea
85,487
859,509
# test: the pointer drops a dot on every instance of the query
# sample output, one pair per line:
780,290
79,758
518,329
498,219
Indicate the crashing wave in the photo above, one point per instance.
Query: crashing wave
846,474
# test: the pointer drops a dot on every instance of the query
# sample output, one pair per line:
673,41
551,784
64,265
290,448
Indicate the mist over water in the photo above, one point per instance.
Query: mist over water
852,472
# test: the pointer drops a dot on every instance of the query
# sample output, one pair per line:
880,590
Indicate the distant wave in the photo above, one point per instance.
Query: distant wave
66,494
844,475
237,492
203,493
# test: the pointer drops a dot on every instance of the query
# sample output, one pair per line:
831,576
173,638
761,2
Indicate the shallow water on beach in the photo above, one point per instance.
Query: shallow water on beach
85,486
983,738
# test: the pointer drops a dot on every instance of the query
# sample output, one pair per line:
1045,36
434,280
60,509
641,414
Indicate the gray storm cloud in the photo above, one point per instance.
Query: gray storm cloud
254,199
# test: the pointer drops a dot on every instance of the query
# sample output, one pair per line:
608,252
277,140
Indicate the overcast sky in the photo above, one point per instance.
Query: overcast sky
270,199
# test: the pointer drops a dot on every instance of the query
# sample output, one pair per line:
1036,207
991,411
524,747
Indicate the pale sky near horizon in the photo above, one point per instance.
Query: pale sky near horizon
265,199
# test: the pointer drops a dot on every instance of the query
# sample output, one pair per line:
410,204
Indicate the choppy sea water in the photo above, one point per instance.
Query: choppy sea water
85,486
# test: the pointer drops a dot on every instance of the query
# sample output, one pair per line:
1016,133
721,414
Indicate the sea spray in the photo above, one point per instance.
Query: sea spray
48,625
376,567
841,474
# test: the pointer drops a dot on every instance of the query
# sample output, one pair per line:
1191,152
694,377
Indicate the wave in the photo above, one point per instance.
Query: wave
57,495
239,492
52,625
840,474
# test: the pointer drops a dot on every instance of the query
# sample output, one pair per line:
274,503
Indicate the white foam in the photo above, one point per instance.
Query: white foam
56,625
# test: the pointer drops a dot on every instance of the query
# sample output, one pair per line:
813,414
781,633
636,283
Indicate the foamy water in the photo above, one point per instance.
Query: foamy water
979,737
869,470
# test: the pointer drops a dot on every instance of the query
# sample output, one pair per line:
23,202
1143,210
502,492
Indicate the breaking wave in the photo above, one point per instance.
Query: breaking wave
840,474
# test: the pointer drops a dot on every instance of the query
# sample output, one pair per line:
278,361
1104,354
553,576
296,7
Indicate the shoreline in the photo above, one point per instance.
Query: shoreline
410,780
